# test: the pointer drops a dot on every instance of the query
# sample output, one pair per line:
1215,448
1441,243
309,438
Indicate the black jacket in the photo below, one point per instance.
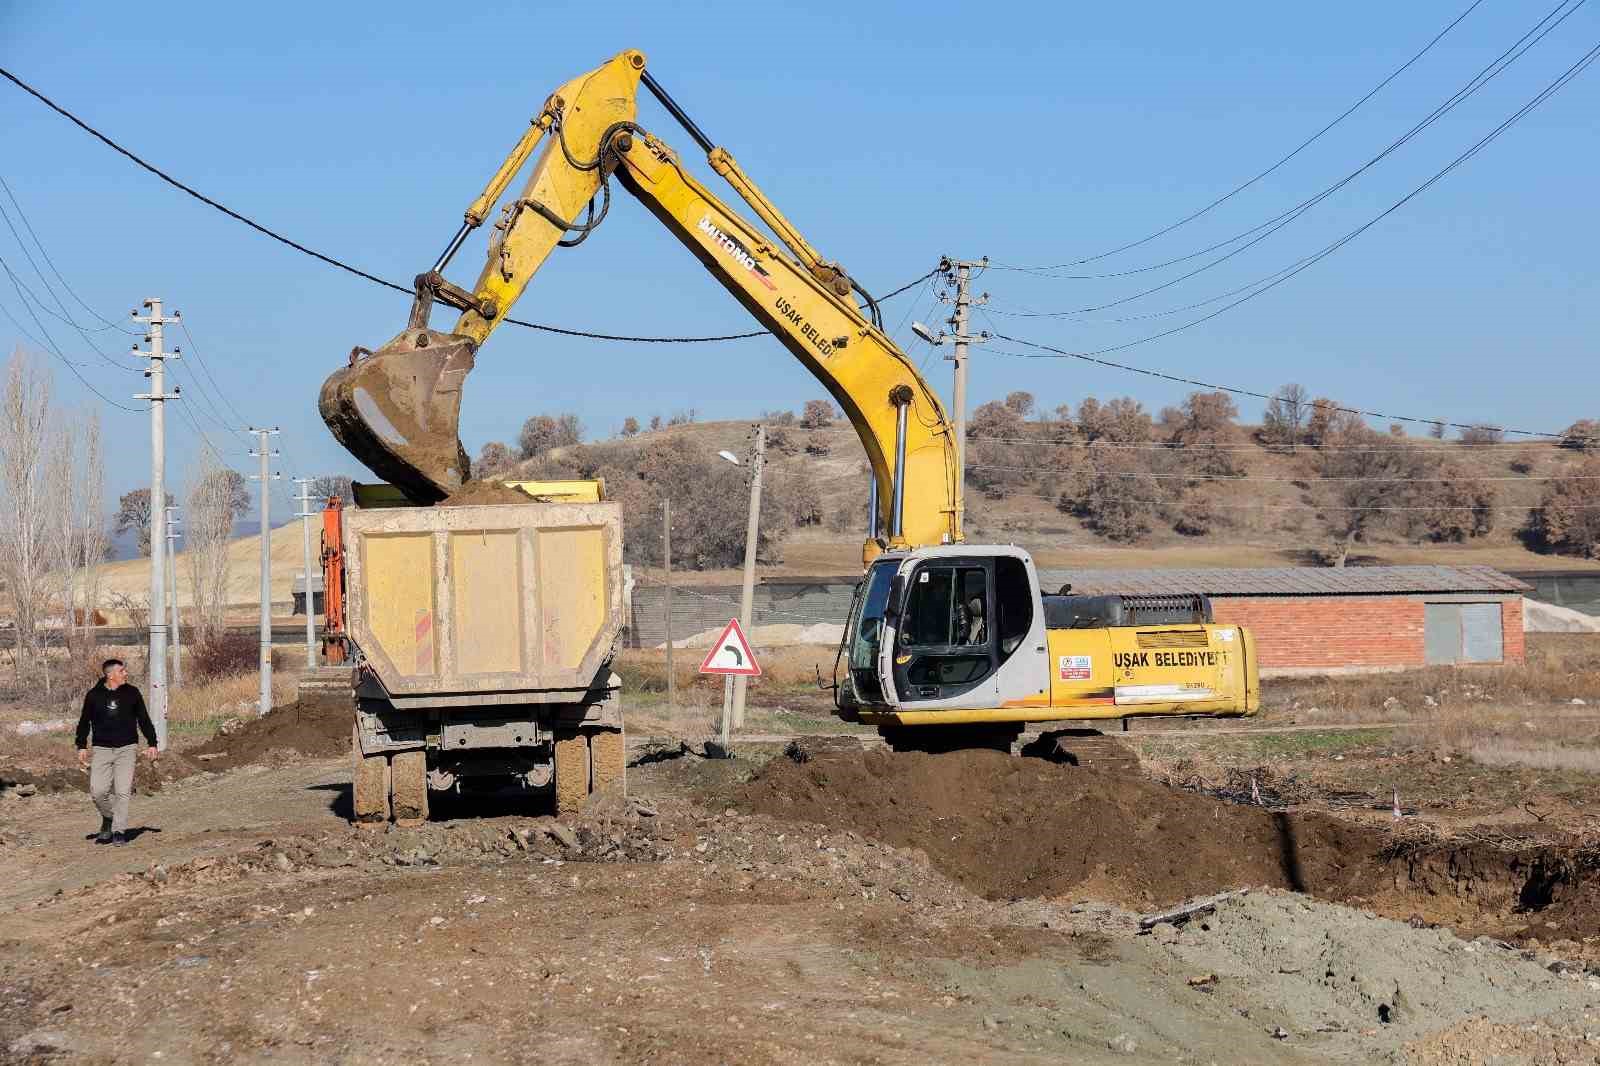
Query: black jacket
116,716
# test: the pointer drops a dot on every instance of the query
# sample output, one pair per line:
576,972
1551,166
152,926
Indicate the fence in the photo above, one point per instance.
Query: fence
698,608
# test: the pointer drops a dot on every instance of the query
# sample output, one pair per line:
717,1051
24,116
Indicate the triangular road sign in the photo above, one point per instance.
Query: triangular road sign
731,654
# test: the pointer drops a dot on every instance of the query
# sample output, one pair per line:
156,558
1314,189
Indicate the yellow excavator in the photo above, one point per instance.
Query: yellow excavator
948,644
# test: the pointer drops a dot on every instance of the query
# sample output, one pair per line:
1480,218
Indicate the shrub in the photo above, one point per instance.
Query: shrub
224,655
1567,519
541,433
1482,435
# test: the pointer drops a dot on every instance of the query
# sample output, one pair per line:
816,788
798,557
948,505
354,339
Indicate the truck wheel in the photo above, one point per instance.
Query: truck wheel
608,761
408,787
370,778
572,770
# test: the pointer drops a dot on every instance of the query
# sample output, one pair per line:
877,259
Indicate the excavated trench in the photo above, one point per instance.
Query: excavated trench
1012,828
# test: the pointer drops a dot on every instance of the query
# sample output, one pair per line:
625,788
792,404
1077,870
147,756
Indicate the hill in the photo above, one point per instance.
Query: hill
1270,520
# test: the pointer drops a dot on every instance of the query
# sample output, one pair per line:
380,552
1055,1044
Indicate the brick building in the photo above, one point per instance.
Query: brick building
1352,620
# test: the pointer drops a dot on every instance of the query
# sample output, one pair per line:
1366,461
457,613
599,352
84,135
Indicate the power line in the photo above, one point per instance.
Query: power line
45,253
50,346
1289,480
1567,76
1278,222
1046,351
340,264
1302,146
1509,508
1348,449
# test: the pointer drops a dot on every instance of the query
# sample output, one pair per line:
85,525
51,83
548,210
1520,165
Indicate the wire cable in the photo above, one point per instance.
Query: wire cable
1278,222
107,323
1302,146
1565,78
330,260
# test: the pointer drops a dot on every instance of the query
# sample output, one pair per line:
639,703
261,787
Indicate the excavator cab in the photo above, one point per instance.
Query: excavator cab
961,635
948,628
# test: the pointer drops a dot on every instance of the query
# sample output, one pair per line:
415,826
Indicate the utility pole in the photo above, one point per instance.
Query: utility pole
666,550
177,616
959,271
266,454
305,516
752,531
158,397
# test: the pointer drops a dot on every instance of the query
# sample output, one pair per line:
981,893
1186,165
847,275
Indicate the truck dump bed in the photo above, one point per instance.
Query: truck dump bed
461,605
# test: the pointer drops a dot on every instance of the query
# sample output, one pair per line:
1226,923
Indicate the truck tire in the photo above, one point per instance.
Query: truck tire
572,771
408,788
370,780
608,762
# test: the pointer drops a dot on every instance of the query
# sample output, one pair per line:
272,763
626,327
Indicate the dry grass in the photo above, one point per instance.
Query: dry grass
195,711
1560,667
1535,756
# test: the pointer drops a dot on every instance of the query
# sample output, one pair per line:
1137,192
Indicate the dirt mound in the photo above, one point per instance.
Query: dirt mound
314,725
45,782
1009,828
474,492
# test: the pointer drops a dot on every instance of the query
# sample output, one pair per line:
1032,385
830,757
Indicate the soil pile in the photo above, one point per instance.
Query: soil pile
476,492
1008,828
315,725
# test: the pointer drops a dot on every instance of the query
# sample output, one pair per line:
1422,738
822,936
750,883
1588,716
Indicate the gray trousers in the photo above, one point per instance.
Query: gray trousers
111,782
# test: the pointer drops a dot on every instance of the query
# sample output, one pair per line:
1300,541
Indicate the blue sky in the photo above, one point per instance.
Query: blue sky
890,133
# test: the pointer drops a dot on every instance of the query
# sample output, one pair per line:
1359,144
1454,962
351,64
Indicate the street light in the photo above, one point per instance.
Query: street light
734,459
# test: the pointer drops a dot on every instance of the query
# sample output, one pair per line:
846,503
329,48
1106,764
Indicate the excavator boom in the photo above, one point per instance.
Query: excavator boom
397,408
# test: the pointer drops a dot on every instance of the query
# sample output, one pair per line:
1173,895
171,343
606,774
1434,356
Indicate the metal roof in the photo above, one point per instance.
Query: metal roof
1287,581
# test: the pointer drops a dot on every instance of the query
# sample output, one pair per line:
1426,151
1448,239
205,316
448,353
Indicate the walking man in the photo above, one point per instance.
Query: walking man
114,712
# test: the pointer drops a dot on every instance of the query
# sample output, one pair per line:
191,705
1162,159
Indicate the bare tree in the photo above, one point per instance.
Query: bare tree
25,517
60,497
91,521
210,522
1285,416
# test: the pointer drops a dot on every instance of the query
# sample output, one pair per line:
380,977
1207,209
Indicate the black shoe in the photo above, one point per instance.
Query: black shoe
102,838
119,839
103,834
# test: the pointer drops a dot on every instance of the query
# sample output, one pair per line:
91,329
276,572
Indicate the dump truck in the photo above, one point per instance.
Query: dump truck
480,638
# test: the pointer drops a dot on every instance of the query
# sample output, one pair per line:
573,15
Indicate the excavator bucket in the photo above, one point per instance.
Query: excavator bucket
398,410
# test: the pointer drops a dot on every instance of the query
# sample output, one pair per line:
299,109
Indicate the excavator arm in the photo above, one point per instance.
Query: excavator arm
397,409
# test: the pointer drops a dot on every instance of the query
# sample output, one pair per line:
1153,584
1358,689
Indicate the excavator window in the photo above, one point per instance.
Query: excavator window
866,632
1013,603
946,632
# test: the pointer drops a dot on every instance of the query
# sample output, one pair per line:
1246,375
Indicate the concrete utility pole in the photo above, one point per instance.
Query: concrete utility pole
177,617
305,516
666,551
959,271
158,397
266,454
752,532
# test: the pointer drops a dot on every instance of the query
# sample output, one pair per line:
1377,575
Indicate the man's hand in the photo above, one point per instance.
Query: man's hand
83,758
151,753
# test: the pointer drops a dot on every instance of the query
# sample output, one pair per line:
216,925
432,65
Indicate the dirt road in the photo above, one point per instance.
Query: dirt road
732,912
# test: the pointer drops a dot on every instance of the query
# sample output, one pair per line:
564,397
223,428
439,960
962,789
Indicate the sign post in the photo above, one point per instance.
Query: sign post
730,656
